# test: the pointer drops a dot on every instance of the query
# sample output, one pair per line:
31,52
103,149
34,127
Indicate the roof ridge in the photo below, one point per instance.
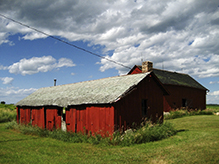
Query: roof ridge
171,71
95,80
165,70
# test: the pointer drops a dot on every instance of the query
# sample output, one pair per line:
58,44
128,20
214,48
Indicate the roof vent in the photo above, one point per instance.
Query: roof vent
54,82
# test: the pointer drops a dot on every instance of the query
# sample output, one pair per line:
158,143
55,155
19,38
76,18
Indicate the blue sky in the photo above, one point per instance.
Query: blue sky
180,35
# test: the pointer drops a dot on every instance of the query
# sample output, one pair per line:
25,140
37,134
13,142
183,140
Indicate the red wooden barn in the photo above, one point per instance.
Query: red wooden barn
183,90
100,106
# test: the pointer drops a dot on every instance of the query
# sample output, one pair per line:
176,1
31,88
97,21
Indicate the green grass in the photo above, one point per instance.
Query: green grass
212,107
7,112
196,142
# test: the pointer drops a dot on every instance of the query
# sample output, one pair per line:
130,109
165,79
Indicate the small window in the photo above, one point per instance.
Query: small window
184,103
144,107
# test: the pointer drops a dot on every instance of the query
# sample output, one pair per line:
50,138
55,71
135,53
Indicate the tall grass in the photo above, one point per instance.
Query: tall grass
147,133
187,112
7,112
213,107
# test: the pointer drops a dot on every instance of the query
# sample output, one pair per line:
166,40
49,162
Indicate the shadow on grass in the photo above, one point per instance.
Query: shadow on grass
181,130
17,140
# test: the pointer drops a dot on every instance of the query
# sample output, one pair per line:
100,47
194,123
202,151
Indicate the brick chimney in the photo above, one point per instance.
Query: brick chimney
147,66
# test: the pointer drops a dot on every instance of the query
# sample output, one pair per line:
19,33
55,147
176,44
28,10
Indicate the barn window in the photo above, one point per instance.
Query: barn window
184,103
144,107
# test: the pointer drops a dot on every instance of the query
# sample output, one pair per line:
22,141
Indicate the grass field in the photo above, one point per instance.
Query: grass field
213,107
196,142
7,112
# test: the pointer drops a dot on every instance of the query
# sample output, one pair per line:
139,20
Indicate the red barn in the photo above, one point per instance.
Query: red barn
183,90
100,106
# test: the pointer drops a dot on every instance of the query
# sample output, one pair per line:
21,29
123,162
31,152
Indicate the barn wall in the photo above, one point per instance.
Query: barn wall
136,70
53,117
129,108
24,115
166,104
18,115
45,117
38,118
94,118
196,98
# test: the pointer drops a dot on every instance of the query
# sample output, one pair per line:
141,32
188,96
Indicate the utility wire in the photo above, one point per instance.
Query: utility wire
63,41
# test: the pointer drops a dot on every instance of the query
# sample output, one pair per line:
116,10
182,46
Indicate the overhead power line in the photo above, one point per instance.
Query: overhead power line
63,41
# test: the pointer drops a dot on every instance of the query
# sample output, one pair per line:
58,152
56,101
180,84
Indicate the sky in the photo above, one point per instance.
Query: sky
176,35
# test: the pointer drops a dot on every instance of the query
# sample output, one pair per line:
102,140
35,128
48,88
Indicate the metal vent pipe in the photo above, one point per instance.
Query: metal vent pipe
54,82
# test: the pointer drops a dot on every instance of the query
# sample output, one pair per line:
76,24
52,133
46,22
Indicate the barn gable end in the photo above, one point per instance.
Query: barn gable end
184,91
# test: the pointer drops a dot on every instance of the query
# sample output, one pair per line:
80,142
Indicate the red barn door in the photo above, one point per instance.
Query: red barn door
53,118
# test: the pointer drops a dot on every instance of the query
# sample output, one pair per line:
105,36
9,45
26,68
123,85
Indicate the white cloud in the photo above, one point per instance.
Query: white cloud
213,97
39,64
6,80
178,34
3,67
63,62
215,93
214,82
13,95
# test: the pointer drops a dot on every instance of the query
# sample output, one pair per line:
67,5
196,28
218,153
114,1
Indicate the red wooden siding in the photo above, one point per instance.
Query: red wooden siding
70,119
44,117
129,108
196,98
97,119
135,70
53,120
38,118
166,104
18,115
24,115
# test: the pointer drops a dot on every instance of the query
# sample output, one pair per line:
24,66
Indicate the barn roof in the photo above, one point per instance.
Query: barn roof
100,91
174,78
